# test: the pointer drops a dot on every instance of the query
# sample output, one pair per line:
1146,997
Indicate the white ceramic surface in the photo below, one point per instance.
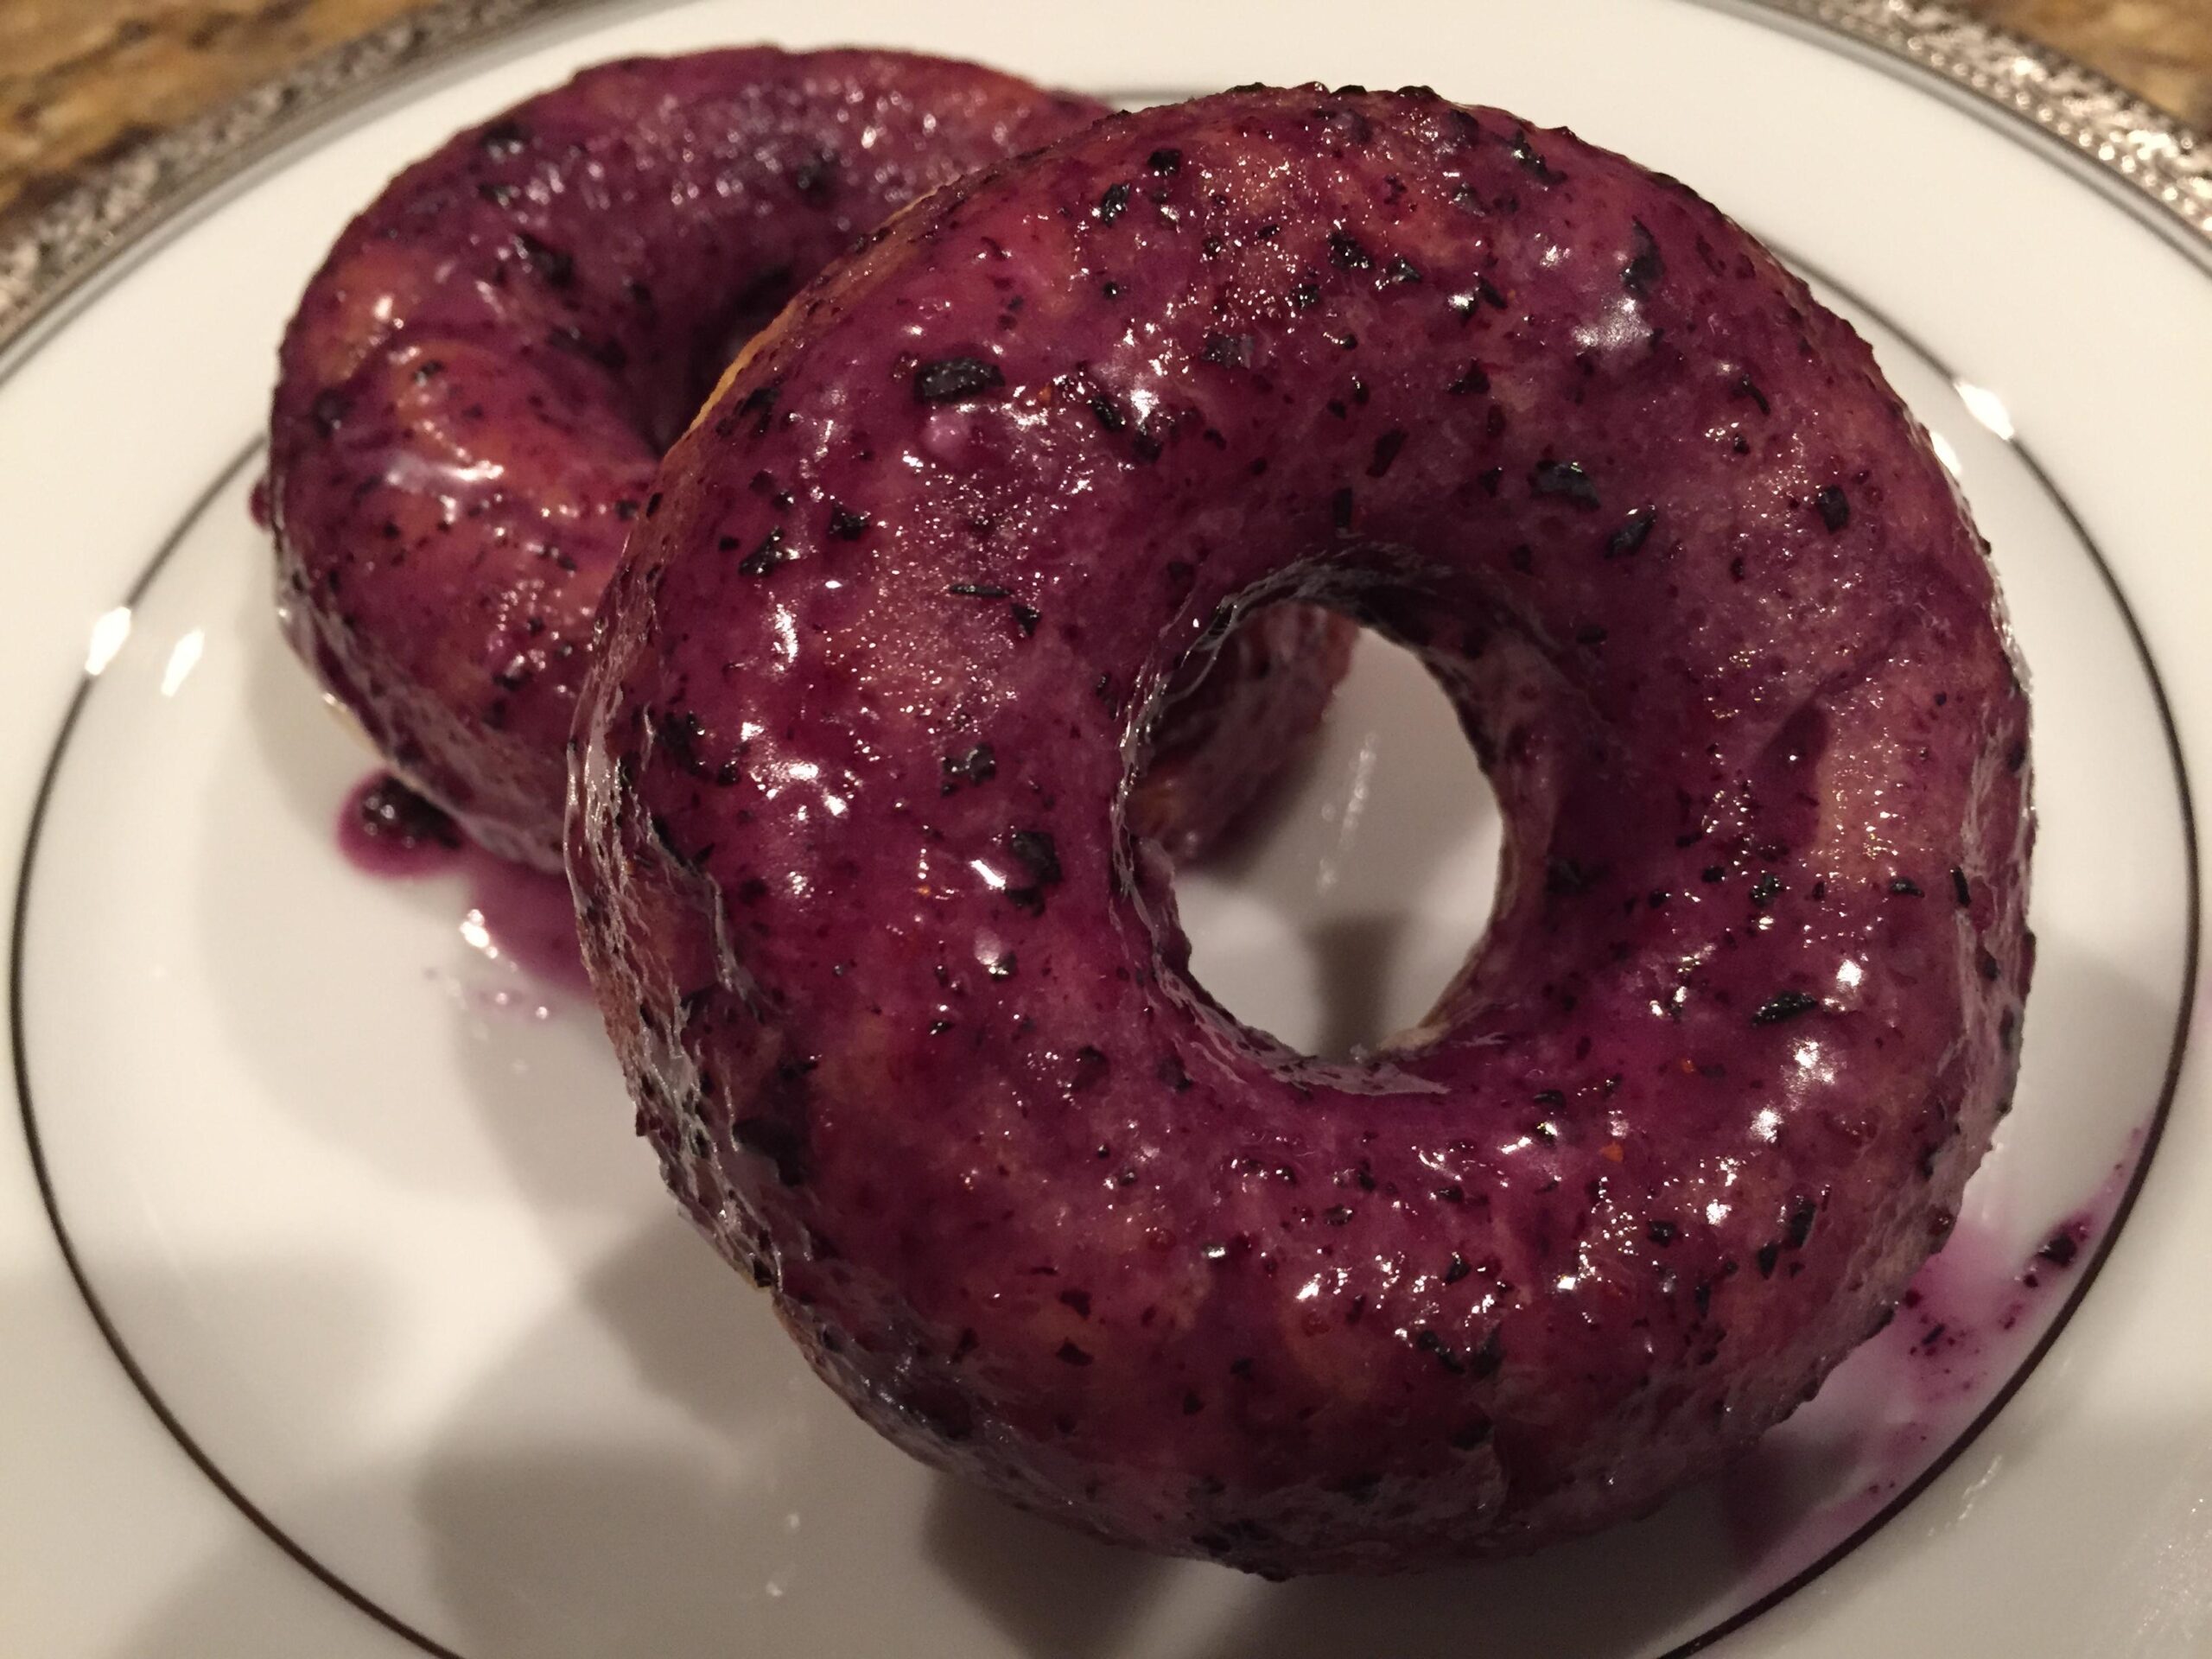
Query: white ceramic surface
358,1194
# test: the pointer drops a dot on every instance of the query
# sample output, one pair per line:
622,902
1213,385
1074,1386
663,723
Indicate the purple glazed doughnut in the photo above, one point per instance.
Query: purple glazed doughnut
481,379
931,1067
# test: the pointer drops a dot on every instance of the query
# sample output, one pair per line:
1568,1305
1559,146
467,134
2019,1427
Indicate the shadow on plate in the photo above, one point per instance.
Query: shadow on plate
552,1532
733,1506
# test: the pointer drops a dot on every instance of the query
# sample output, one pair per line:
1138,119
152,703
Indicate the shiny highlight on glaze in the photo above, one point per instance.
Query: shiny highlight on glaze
929,1064
479,382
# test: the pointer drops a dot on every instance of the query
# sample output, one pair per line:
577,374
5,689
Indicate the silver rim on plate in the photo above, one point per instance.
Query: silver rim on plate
2167,160
2147,151
2157,163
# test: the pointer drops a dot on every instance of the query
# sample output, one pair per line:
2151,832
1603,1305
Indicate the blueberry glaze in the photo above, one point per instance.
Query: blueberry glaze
480,381
929,1064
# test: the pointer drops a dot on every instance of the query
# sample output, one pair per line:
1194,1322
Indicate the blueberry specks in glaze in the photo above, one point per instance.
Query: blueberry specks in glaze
1802,1215
1834,506
504,138
1524,151
389,816
1645,268
1034,850
1090,1068
554,267
976,765
756,412
511,335
1784,1006
765,557
1705,1096
1345,252
1635,530
955,379
1565,480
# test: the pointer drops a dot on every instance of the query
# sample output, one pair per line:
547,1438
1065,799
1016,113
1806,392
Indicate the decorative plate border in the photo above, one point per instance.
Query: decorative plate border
63,246
64,243
2148,150
2164,159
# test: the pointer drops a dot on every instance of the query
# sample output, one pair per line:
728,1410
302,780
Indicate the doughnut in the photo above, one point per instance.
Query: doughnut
932,1068
479,382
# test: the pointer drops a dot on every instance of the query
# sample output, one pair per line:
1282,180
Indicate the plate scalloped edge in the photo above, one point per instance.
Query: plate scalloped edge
2152,153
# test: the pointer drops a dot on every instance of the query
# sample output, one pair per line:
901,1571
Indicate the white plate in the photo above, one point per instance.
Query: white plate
350,1196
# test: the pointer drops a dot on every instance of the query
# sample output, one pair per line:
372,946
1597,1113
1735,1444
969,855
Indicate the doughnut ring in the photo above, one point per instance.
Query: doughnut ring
929,1065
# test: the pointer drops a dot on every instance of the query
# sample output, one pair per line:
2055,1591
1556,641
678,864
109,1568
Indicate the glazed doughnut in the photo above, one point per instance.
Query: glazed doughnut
932,1068
479,382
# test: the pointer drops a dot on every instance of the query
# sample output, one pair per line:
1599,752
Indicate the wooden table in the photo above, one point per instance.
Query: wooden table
81,80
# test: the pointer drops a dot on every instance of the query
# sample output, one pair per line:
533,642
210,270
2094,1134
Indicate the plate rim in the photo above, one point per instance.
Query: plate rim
398,1625
115,216
2156,158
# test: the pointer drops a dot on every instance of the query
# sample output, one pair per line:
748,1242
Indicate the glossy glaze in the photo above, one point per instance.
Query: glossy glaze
1965,1328
386,829
478,384
512,911
929,1065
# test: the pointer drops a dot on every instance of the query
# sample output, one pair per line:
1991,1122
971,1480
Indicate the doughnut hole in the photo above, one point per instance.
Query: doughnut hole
1339,906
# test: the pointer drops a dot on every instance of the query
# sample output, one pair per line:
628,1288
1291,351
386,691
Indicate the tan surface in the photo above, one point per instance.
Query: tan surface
81,80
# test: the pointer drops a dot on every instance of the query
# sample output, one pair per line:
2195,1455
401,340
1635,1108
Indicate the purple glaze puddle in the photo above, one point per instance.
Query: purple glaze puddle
1965,1327
386,829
